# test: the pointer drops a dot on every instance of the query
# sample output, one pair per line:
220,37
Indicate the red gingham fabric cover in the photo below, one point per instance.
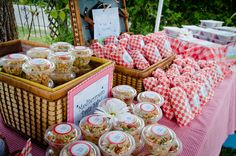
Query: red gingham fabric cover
164,81
140,62
108,49
151,52
136,42
158,73
181,107
123,43
124,35
188,69
166,107
149,83
110,39
97,49
177,81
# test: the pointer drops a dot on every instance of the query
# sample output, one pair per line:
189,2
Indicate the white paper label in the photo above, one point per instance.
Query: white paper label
203,91
127,58
147,107
80,149
219,71
124,89
128,119
156,52
149,95
63,128
95,120
38,61
15,56
167,45
196,100
116,137
159,130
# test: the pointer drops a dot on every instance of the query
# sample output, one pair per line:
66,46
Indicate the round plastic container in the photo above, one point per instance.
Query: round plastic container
93,126
116,143
63,61
39,52
12,63
38,70
125,93
82,70
158,139
57,136
131,124
176,148
61,47
149,112
61,78
82,55
152,97
80,148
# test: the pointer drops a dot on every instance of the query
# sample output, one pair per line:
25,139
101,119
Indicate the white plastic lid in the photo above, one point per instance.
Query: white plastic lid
81,51
39,52
150,96
61,47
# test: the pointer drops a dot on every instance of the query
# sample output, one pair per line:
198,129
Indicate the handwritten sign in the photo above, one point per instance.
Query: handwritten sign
106,23
84,98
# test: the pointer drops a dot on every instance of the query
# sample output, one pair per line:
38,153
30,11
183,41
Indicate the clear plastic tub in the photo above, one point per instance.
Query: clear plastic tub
63,61
82,70
211,23
38,70
149,112
131,124
94,126
57,136
61,47
61,78
82,55
80,148
116,143
12,63
125,93
176,148
39,52
152,97
158,139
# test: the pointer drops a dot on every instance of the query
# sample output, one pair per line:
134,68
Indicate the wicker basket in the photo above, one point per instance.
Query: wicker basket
30,108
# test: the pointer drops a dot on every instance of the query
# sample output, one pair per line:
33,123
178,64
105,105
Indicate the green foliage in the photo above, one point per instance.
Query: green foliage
178,12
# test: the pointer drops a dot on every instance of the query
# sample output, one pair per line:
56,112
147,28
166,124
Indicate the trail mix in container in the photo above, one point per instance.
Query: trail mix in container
116,143
61,78
82,55
176,148
39,52
61,47
152,97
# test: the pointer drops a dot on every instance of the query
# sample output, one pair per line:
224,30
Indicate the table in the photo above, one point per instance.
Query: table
204,136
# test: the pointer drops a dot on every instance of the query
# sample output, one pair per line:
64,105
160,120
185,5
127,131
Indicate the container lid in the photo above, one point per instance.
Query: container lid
80,148
38,65
117,143
124,90
95,121
150,96
176,148
81,51
112,102
15,57
62,133
158,134
61,47
39,52
61,56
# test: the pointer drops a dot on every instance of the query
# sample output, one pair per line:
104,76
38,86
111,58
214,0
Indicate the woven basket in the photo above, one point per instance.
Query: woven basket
30,108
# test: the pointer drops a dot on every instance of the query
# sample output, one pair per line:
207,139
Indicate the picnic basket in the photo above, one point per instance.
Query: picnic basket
30,108
122,75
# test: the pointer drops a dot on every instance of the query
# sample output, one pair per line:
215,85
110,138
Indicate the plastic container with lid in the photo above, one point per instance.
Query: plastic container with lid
93,126
12,63
82,70
61,47
152,97
176,148
125,93
39,52
116,143
131,124
80,148
61,78
149,112
82,55
158,139
57,136
63,61
38,70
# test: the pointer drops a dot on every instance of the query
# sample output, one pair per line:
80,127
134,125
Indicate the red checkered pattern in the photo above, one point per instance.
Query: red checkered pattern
110,39
122,57
172,72
164,81
158,73
147,39
123,43
124,35
108,50
166,107
181,107
163,45
97,49
179,62
149,83
136,42
212,74
27,149
176,68
179,80
151,52
188,69
202,63
140,62
202,92
194,65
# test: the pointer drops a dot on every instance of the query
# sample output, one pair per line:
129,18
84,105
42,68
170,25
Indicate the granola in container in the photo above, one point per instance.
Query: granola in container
63,61
61,47
61,78
116,143
39,70
176,148
131,124
57,136
82,70
12,63
80,148
125,93
158,139
39,52
152,97
149,112
82,55
93,126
